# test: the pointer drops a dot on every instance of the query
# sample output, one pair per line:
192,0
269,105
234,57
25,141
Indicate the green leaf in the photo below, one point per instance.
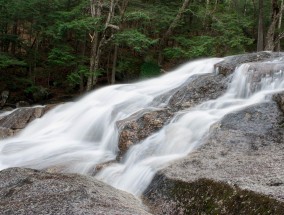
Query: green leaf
134,39
61,56
7,61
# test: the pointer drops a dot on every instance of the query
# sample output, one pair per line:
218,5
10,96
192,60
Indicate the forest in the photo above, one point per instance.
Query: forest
57,48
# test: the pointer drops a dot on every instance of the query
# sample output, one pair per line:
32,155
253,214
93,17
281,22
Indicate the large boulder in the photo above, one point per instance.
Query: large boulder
27,191
137,128
239,169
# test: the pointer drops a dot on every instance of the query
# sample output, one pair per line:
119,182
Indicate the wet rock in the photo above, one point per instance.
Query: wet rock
6,132
49,107
140,126
14,121
19,118
101,166
228,65
261,70
241,161
201,89
26,191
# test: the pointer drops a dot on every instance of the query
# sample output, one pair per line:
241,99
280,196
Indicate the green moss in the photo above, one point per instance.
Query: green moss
206,196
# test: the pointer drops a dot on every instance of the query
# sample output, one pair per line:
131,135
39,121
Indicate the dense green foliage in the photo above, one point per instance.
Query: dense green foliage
49,43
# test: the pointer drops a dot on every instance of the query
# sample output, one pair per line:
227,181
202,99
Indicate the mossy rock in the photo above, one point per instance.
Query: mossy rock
205,196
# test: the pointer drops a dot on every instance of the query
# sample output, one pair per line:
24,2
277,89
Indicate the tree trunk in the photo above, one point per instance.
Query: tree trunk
260,36
96,68
6,45
15,33
206,13
84,44
122,9
279,28
105,38
114,64
93,59
270,37
90,77
96,6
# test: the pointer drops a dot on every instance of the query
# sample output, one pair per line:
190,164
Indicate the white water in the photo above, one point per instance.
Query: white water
77,136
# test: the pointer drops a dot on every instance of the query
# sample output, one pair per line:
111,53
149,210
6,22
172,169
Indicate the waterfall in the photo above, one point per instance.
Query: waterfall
185,132
75,137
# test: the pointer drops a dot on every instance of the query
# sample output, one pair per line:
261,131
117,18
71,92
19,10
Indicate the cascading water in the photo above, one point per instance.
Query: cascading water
77,136
186,130
74,137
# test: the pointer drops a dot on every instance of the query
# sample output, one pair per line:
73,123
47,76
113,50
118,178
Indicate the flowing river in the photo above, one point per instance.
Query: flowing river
77,136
